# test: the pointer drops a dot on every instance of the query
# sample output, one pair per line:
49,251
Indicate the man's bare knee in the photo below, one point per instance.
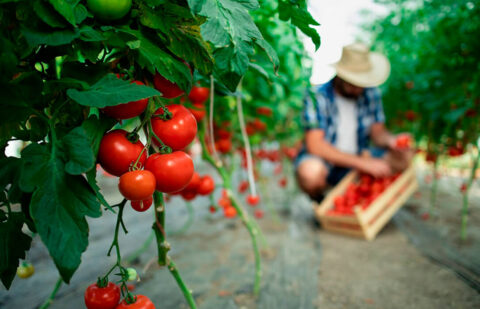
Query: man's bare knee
312,175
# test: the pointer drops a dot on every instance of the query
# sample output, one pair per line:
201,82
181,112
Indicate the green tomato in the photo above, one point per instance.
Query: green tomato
25,270
132,274
109,9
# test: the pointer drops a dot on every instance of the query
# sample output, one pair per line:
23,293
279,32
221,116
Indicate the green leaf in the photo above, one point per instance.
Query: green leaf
297,12
48,15
180,33
66,8
233,34
92,181
111,91
79,153
55,38
13,246
95,128
58,206
155,59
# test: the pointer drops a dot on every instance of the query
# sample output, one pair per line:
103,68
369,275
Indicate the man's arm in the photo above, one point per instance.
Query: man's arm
317,145
381,137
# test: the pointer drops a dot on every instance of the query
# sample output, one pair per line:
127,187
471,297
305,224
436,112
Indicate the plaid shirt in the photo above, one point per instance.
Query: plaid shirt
321,112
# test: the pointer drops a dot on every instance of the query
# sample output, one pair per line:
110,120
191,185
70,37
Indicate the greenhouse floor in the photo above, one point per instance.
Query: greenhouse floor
413,263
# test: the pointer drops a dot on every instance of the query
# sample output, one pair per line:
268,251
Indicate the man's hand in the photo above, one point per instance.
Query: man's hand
378,168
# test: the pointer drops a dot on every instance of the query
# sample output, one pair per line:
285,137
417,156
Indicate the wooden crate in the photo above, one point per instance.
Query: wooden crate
367,223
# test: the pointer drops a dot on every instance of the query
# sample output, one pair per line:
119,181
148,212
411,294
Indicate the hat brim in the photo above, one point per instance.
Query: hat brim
376,76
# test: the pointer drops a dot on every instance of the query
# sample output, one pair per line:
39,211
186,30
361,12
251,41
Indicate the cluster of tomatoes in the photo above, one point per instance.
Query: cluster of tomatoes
174,127
107,296
360,194
224,201
229,210
199,185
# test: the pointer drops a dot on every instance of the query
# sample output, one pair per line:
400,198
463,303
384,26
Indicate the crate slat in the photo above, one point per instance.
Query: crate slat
383,219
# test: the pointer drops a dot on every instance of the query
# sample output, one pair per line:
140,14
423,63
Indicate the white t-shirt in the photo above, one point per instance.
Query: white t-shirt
347,125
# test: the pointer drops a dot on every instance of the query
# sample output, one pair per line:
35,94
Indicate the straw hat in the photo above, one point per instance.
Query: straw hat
362,67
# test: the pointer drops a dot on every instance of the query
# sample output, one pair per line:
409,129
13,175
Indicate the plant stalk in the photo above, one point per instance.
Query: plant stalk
50,298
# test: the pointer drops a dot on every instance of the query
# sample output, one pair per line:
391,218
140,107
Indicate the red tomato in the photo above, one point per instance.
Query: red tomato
282,182
168,89
137,185
259,125
403,142
194,183
142,206
172,171
102,298
142,302
199,94
188,195
229,212
198,111
471,113
212,209
243,186
410,115
117,153
177,132
463,188
431,157
224,145
265,111
339,201
223,134
253,200
224,202
258,213
250,129
127,110
206,186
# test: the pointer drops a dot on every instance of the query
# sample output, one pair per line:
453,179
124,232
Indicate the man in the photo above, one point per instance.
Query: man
341,118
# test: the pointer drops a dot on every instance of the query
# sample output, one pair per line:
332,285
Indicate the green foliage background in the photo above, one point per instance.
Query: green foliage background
434,51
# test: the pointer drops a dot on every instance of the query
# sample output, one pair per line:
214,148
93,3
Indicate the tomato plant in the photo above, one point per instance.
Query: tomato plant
62,97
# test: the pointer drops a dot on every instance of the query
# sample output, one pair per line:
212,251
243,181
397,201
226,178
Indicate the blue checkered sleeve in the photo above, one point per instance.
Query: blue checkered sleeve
314,112
375,104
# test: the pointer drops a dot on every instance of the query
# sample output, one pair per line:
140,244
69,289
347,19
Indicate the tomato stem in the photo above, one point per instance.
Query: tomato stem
186,292
158,227
463,230
50,298
252,228
123,272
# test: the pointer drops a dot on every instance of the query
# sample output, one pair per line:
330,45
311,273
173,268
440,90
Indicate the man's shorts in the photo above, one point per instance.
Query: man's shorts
335,173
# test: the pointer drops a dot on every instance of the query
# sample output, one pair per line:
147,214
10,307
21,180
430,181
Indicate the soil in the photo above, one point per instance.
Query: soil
303,265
